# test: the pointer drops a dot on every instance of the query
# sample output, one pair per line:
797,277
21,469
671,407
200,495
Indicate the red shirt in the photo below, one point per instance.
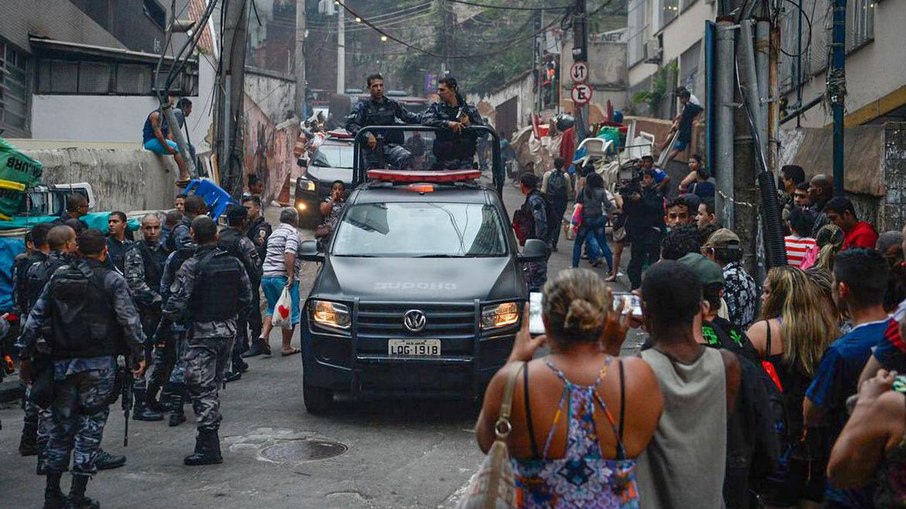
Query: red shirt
862,235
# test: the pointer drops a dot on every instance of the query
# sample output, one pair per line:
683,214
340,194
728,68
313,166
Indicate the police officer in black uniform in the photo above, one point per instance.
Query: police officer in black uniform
210,290
379,110
233,240
454,147
259,230
92,319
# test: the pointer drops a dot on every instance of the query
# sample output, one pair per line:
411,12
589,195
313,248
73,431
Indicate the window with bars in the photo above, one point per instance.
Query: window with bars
14,90
814,49
58,76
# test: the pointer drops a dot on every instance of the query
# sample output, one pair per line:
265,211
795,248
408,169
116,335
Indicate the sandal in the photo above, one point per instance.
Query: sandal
294,351
183,183
611,279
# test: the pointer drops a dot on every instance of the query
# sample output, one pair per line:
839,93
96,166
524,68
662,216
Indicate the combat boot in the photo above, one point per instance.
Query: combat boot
207,450
53,495
177,414
141,411
151,400
28,444
77,498
106,461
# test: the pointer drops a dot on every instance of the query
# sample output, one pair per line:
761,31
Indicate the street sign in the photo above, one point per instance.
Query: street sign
579,72
581,94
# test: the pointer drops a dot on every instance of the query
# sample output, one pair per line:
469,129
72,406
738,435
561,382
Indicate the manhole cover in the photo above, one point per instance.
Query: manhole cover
303,450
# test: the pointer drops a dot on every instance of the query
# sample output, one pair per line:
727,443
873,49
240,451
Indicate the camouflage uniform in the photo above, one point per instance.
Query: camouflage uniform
454,151
38,422
535,273
386,112
210,341
83,386
143,267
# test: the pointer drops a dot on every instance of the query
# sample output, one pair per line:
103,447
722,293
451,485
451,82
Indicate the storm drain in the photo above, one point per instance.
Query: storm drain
303,450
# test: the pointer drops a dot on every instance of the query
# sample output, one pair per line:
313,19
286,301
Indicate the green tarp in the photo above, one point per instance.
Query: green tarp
15,168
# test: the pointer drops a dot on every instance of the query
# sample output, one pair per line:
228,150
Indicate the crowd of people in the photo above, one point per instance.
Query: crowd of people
778,393
163,319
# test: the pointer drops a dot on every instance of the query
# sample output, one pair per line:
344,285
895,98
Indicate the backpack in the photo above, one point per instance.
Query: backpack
557,187
524,221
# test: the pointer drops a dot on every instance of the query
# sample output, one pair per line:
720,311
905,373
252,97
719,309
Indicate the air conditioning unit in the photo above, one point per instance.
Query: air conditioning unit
653,51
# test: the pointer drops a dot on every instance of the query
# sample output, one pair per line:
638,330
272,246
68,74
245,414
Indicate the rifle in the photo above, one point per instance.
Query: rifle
128,381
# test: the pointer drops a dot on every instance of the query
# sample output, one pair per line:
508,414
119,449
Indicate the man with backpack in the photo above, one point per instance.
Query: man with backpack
557,186
533,221
211,289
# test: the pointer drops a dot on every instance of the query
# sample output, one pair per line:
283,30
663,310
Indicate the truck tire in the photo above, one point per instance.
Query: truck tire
318,400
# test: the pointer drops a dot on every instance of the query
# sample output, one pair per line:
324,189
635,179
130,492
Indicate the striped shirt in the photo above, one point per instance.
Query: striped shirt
284,239
796,247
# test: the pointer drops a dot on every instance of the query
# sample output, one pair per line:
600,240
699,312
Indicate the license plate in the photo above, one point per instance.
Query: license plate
414,347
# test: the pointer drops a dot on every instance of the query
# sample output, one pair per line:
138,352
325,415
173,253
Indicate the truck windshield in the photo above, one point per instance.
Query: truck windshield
420,230
333,156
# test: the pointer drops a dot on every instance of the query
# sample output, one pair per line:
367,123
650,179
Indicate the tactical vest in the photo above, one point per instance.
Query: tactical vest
83,319
21,268
215,296
153,262
383,114
38,276
230,241
171,240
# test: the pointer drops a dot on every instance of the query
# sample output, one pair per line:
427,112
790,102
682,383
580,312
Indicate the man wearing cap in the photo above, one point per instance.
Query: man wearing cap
751,446
741,293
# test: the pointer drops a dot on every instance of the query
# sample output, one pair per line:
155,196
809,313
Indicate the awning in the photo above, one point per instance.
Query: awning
813,149
69,50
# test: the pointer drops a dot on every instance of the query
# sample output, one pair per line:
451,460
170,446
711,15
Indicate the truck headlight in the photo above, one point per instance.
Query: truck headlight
495,316
307,185
330,314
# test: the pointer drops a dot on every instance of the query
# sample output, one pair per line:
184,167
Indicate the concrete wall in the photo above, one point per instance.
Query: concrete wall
122,176
521,88
872,71
272,92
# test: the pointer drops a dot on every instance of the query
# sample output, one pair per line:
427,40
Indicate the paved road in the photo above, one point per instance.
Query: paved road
398,454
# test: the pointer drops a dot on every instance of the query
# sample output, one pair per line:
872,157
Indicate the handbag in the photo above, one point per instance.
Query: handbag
282,310
493,486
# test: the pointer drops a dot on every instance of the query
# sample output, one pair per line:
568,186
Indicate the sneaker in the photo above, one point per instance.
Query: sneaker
231,376
259,347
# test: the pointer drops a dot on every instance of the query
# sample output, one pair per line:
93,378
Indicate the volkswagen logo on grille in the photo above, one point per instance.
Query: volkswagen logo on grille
415,320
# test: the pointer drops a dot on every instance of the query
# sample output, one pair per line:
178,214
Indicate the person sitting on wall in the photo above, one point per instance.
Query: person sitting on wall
156,137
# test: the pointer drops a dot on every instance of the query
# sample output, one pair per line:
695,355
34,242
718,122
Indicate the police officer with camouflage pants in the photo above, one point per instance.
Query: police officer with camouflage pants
234,241
210,289
143,268
91,318
377,111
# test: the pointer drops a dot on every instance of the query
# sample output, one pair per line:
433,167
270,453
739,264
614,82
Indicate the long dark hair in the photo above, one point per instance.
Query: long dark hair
593,180
450,81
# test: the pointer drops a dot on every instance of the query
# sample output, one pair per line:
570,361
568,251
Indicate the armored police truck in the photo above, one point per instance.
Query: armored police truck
420,289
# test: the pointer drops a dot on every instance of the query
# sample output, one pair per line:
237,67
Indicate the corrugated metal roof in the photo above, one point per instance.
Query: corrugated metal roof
863,150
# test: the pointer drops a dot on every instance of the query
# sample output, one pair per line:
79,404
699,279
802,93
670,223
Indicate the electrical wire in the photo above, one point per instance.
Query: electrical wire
510,8
393,38
808,41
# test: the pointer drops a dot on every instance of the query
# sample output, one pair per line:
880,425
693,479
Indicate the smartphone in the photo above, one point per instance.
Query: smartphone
536,324
632,304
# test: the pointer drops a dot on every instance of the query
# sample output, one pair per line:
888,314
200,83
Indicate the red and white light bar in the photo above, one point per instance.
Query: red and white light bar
426,176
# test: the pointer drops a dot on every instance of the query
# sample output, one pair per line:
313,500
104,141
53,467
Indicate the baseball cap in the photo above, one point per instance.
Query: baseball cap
723,239
705,270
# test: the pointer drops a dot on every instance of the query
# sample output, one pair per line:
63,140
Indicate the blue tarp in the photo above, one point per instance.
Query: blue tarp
9,248
93,220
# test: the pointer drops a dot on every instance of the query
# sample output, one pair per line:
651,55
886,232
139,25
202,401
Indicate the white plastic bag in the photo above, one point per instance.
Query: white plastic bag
283,310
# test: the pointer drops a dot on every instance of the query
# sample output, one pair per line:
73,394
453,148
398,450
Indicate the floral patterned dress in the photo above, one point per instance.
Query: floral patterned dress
583,477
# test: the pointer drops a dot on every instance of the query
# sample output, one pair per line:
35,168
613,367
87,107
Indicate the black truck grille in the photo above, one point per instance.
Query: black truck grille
443,320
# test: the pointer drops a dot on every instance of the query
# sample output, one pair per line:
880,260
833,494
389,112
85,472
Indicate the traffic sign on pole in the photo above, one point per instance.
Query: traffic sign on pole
579,72
581,94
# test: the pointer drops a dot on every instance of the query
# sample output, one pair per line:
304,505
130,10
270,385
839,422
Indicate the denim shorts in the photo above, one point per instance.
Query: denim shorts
273,287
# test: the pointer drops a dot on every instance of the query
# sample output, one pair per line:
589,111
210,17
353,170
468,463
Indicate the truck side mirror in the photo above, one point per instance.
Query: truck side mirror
535,251
308,251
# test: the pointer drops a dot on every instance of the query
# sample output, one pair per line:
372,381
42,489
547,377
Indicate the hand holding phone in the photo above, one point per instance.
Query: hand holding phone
632,304
536,324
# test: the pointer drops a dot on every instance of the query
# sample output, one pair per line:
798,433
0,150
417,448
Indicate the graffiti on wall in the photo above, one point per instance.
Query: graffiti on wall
268,149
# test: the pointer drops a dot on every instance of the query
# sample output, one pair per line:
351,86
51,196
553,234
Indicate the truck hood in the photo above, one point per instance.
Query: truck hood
421,279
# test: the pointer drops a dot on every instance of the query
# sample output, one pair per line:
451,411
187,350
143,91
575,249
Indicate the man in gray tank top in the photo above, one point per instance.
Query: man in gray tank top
685,462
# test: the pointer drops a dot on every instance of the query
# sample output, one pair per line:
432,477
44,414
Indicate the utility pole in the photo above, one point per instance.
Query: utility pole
724,101
836,89
341,50
580,54
230,95
300,60
540,65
